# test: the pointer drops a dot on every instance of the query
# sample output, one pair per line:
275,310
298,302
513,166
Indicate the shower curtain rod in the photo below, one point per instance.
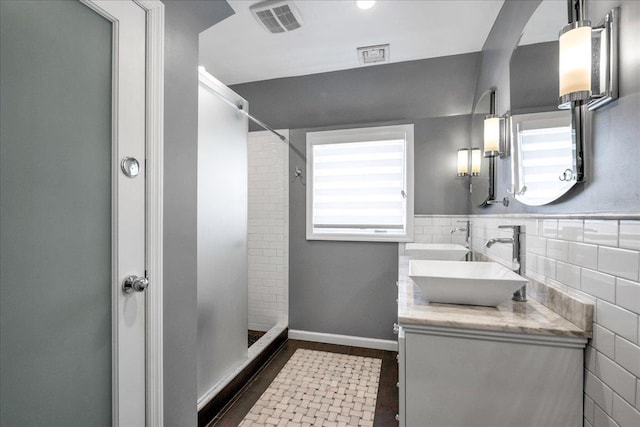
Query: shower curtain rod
260,123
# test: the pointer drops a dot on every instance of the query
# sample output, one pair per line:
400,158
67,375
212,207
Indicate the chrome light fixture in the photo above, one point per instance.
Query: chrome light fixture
495,145
476,161
469,162
492,136
588,71
575,62
463,162
495,134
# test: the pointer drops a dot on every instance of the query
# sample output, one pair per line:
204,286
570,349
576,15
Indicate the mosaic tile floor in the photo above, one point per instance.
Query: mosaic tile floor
318,388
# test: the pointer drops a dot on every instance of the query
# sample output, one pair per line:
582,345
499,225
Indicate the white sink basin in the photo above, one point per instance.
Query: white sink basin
445,252
459,282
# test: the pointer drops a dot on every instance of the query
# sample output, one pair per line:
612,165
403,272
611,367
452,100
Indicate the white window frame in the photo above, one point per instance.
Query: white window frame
379,133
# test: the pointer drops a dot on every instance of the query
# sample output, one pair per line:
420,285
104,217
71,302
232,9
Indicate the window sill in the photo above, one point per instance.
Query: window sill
360,238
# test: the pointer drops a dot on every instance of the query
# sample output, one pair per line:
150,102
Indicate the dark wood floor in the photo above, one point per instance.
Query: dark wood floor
386,403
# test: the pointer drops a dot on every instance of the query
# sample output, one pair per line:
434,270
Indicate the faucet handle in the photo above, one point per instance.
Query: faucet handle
516,228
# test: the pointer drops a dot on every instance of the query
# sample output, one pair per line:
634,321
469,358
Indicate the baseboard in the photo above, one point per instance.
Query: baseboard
374,343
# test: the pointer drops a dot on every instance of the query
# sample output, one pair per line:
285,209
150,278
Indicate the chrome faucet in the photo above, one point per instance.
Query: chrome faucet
519,255
467,241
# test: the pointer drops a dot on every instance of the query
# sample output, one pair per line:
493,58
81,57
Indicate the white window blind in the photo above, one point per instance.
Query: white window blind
546,154
360,184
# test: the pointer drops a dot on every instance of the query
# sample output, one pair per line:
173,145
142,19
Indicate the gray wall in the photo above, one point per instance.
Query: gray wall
337,287
612,174
438,191
348,287
436,87
496,52
533,74
183,21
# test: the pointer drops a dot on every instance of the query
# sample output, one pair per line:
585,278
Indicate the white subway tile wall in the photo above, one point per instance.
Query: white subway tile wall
439,229
603,340
593,259
268,230
627,355
601,232
630,235
588,410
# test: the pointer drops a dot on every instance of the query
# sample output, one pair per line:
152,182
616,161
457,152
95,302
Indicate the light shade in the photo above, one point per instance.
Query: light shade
476,161
575,62
491,136
365,4
463,162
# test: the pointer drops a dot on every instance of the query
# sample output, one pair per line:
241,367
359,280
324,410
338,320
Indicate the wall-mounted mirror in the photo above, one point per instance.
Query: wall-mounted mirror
480,185
534,63
543,165
543,161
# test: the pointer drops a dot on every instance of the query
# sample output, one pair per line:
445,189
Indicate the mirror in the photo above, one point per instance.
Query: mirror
543,165
480,188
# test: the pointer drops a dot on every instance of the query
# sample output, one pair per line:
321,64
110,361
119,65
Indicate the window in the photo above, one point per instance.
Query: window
360,184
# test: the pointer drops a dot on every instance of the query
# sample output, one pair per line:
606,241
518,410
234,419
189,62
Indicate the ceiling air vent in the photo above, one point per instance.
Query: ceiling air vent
372,54
278,16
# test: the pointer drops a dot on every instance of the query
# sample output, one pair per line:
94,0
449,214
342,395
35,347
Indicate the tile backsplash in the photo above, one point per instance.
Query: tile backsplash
268,184
590,258
437,229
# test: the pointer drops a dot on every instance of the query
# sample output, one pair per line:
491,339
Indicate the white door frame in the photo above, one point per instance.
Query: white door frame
155,189
154,146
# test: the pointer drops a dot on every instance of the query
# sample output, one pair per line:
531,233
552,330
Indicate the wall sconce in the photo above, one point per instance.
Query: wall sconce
469,162
495,134
463,162
491,136
495,145
575,62
588,71
476,161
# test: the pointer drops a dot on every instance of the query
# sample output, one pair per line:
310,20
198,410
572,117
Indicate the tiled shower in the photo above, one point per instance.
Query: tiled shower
268,159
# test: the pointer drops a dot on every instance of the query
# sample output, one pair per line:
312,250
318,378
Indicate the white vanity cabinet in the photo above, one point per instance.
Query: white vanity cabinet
519,364
452,376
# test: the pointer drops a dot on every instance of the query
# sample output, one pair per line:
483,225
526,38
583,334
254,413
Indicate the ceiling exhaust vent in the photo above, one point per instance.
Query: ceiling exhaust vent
373,54
278,16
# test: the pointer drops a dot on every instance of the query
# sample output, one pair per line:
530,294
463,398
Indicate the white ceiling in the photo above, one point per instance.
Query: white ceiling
551,16
239,49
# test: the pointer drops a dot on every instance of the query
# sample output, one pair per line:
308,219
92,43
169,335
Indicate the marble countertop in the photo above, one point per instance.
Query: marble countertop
529,317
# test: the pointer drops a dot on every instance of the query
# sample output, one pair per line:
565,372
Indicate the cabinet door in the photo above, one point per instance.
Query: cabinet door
481,381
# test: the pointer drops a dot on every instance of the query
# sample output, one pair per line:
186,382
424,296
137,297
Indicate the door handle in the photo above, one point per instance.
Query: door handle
134,283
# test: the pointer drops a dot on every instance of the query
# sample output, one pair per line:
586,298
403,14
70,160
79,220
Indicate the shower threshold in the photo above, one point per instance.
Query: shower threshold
259,353
254,336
